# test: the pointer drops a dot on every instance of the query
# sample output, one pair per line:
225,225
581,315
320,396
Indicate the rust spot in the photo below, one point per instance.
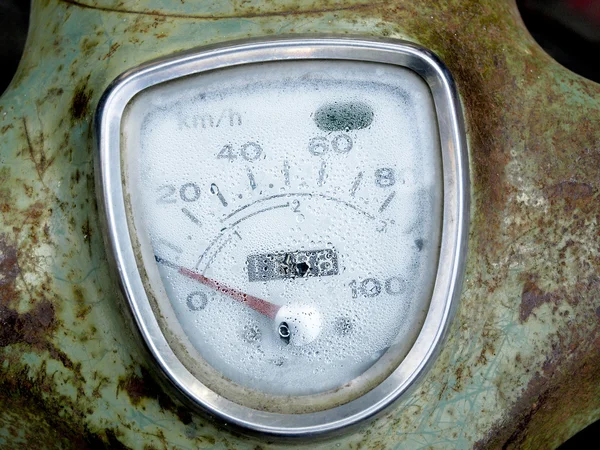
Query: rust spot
9,271
52,92
462,374
485,82
80,105
111,51
137,388
82,309
5,128
184,415
9,268
34,327
250,13
113,442
103,381
87,45
571,192
533,297
86,230
30,404
541,406
143,387
30,327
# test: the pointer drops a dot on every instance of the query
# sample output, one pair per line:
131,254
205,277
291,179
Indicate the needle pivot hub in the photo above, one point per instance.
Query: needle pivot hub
298,324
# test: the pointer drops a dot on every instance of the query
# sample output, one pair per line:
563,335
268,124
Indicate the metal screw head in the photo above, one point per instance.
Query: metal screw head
284,332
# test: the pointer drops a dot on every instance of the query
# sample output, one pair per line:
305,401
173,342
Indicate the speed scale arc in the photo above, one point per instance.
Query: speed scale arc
288,218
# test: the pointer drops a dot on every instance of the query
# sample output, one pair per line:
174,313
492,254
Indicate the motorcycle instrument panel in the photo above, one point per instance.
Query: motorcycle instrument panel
288,219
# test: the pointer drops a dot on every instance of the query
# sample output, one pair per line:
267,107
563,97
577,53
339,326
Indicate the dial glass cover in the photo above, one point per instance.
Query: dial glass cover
285,220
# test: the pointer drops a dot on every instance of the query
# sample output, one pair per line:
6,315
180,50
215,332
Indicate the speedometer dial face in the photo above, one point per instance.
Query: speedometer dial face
287,220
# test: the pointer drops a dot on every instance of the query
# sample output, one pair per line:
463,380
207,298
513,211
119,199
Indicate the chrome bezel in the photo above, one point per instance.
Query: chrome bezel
453,248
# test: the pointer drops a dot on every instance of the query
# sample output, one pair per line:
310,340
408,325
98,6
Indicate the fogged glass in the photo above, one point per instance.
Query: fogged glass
294,212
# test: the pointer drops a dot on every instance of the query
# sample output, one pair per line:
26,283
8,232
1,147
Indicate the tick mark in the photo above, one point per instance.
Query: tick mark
165,262
387,201
190,216
251,179
286,172
171,246
356,183
321,179
214,189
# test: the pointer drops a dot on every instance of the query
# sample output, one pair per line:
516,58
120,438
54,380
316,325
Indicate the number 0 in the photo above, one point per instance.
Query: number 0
197,301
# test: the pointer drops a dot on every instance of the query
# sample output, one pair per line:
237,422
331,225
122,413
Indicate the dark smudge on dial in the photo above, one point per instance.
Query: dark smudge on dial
344,116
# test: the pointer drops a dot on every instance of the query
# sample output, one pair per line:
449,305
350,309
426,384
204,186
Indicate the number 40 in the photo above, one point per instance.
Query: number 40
250,151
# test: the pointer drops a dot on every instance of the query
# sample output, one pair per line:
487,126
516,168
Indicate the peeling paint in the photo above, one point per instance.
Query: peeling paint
73,373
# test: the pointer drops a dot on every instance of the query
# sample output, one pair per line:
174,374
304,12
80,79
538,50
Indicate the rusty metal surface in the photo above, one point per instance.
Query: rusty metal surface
521,367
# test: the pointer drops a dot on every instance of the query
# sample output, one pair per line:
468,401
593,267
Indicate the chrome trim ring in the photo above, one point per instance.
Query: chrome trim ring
453,248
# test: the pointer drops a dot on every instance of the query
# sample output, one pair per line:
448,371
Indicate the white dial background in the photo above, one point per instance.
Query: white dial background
241,162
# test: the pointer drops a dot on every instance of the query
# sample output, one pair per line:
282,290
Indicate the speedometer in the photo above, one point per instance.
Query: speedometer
288,221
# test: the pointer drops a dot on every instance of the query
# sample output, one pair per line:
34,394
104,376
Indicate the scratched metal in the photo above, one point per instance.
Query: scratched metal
521,367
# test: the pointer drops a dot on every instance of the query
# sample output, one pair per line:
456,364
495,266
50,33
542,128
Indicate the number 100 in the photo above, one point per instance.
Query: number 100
371,287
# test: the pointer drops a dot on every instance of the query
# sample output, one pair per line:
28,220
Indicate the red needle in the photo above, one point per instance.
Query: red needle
257,304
